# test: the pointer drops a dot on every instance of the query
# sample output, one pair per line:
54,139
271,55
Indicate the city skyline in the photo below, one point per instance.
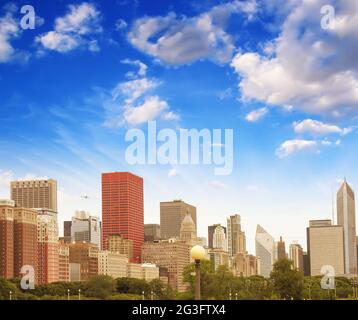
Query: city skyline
234,66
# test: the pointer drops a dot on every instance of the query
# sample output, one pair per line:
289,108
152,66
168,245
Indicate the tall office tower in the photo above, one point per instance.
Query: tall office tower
63,262
325,246
296,255
85,227
7,239
346,217
67,225
47,246
280,250
171,216
235,236
171,254
122,209
306,265
35,194
265,251
219,257
219,238
86,255
25,240
151,232
211,230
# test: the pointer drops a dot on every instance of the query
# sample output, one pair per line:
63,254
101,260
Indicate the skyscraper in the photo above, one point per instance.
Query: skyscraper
211,230
7,239
122,209
67,225
325,246
85,227
296,255
35,194
346,218
172,214
265,247
151,232
235,236
47,247
219,238
280,250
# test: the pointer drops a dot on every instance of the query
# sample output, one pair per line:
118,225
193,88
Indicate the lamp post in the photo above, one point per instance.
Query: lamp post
143,297
68,294
10,295
197,253
152,295
79,294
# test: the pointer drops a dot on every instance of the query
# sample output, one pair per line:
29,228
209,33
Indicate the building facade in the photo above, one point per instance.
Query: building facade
63,262
235,236
325,246
112,264
211,230
123,210
151,232
346,217
265,251
86,255
296,256
219,238
115,243
172,214
35,194
85,227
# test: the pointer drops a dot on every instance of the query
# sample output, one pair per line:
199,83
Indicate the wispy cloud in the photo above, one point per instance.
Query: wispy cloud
256,115
315,127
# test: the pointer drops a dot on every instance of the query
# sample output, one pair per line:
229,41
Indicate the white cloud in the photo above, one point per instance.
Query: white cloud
256,115
170,116
292,146
172,173
217,184
142,68
8,30
73,29
5,179
121,24
325,80
318,128
180,39
150,109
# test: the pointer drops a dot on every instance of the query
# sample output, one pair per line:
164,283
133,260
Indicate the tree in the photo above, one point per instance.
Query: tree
100,287
132,286
5,288
288,283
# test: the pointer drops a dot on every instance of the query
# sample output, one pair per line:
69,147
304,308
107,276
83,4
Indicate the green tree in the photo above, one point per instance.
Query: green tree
5,288
100,287
287,283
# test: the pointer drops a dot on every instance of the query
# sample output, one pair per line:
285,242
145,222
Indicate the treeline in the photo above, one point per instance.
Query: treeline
220,284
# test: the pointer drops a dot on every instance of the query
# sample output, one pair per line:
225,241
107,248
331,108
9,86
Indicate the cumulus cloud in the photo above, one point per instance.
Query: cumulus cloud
291,146
8,30
315,127
73,30
178,40
311,69
256,115
142,68
170,116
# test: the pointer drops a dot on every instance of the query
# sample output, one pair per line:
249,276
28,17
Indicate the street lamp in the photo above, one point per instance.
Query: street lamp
79,294
143,297
10,295
197,253
152,295
68,294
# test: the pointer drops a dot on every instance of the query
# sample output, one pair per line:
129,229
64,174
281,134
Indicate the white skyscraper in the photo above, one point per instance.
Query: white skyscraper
265,251
86,228
346,218
219,238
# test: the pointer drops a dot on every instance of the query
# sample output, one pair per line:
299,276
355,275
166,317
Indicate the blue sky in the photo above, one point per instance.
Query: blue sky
89,71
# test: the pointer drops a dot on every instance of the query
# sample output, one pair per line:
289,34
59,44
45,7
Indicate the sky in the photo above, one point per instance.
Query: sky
279,73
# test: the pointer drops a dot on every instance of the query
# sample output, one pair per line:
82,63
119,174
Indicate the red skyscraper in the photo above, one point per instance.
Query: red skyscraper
122,209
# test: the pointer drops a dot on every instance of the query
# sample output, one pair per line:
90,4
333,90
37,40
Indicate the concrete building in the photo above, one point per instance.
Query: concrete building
211,230
188,230
244,265
296,255
219,238
123,209
112,264
116,243
151,232
149,272
7,239
63,262
75,272
67,225
47,247
134,270
346,217
35,194
86,255
219,257
280,250
265,251
171,216
171,254
85,227
325,246
235,236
